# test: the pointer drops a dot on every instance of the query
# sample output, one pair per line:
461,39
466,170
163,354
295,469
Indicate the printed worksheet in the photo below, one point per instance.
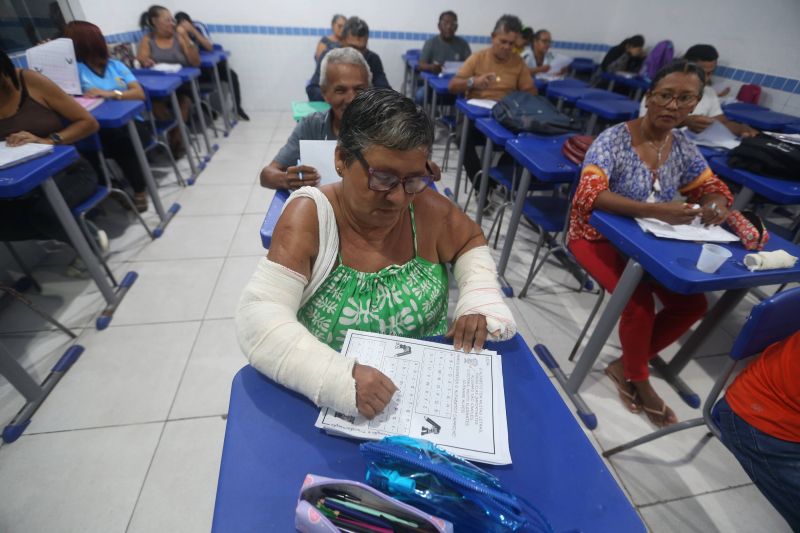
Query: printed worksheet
454,399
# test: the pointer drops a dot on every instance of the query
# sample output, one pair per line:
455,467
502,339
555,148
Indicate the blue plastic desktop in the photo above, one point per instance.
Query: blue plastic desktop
674,263
209,59
571,95
23,178
273,214
543,158
117,113
498,133
473,112
610,109
792,128
439,84
271,444
780,191
159,86
761,119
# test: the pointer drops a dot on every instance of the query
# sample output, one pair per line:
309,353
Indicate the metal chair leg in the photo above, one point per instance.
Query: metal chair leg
97,251
23,266
533,270
595,309
132,207
19,297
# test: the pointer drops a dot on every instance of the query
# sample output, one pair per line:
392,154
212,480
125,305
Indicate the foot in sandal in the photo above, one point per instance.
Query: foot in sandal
654,407
627,392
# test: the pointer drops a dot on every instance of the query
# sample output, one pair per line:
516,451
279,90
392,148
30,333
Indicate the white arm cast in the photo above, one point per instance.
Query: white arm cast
479,293
283,349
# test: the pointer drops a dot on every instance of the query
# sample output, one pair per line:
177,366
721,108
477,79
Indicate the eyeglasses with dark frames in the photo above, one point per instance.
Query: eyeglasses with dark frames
382,181
683,100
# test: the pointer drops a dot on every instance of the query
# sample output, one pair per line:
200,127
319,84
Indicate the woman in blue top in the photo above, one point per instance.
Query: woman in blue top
102,77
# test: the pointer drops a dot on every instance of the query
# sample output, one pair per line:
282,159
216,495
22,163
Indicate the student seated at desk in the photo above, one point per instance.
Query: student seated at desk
355,35
163,42
442,48
491,74
537,54
33,109
759,419
102,77
708,109
367,253
343,74
334,40
627,56
199,35
637,169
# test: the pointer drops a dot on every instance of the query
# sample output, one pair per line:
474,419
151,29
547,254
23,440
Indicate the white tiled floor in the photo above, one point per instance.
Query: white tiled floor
131,438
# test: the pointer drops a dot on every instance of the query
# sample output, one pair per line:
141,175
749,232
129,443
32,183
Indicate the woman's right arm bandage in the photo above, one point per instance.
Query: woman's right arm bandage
282,348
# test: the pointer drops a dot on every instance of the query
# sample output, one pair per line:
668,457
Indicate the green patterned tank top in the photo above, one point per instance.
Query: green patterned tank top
408,300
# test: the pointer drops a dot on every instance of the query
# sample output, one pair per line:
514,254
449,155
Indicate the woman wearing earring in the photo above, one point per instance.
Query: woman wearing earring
368,253
638,169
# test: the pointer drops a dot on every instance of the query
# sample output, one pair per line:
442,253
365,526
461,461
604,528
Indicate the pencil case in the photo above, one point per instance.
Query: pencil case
309,519
749,227
419,473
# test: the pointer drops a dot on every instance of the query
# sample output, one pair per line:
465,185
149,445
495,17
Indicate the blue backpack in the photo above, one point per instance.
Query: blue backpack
521,111
658,57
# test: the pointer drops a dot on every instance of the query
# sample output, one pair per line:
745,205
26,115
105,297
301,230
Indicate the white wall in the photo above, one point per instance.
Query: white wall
759,36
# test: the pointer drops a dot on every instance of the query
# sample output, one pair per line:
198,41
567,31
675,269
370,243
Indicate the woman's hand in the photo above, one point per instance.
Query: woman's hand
715,210
674,213
98,93
374,390
468,332
24,137
293,180
147,62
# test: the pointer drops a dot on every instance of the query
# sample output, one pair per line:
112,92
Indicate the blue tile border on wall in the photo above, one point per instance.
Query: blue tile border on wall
769,81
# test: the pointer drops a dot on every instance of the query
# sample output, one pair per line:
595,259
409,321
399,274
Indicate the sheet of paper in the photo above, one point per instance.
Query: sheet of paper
167,68
88,103
686,232
320,155
559,62
453,399
715,136
792,138
488,104
451,67
56,60
10,156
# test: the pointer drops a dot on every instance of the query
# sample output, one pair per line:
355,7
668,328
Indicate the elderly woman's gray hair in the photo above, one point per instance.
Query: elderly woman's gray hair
342,56
384,117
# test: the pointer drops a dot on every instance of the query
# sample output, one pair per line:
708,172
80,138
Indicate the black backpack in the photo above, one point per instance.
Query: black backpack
766,155
521,111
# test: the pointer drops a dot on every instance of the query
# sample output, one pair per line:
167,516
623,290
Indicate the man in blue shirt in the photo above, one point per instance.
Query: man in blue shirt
355,35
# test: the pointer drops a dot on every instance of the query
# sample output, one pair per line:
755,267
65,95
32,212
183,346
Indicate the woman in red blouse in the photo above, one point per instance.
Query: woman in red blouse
638,169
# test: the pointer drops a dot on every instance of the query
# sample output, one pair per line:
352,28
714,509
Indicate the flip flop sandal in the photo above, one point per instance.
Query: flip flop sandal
627,398
661,421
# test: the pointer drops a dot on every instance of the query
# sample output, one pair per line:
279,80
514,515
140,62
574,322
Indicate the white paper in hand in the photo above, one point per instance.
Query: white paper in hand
56,60
715,136
686,232
320,155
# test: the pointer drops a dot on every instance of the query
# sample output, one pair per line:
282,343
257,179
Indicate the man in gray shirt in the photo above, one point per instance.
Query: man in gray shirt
445,46
343,74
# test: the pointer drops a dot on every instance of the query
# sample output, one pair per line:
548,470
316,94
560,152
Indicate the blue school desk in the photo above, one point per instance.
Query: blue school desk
571,94
496,136
273,214
271,444
440,94
639,84
782,192
540,157
212,60
122,113
612,110
411,62
792,128
301,110
470,112
23,178
672,264
760,118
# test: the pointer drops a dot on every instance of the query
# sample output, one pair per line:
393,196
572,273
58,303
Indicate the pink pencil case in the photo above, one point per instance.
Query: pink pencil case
308,519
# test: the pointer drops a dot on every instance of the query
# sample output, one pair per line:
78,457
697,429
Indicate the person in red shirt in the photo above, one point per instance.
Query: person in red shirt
759,419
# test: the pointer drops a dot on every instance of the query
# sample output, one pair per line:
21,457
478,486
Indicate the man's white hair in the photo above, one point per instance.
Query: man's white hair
342,56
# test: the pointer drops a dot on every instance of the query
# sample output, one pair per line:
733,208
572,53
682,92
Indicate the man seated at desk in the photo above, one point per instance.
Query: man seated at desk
492,74
442,48
708,109
344,73
356,35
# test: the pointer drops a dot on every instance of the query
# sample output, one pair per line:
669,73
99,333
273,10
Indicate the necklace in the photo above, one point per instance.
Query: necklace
658,149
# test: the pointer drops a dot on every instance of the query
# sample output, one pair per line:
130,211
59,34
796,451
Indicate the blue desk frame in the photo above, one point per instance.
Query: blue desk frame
779,191
271,444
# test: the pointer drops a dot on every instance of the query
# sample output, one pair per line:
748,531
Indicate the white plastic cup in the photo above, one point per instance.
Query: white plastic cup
711,258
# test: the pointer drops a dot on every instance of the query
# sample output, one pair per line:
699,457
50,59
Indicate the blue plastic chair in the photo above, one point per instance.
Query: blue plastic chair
770,321
160,130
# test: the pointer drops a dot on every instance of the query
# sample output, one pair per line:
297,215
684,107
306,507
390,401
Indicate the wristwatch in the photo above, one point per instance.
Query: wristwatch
470,82
117,94
56,138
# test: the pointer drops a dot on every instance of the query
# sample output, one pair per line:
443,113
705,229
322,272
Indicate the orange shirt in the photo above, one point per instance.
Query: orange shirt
767,394
511,74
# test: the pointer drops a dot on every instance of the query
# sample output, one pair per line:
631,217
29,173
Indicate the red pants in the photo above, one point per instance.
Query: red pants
642,331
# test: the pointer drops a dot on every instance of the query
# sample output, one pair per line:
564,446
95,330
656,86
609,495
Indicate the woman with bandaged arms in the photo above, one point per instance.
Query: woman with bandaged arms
368,253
